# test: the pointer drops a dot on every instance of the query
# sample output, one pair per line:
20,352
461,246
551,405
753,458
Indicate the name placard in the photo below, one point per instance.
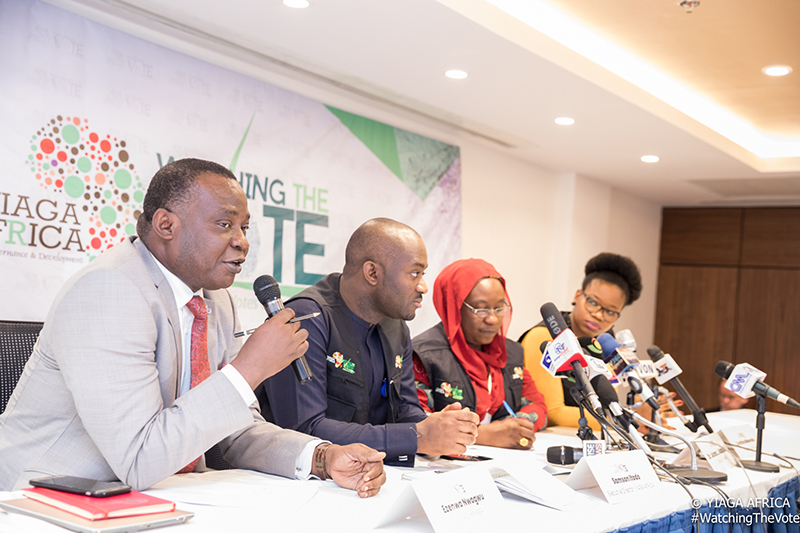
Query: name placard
716,452
620,475
466,499
744,437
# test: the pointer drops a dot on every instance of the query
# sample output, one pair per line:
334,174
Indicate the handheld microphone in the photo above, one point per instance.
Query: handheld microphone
698,414
746,380
565,353
564,455
269,294
611,350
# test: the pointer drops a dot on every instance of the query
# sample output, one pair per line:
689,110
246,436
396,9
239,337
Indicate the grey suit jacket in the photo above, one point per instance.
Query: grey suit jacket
98,397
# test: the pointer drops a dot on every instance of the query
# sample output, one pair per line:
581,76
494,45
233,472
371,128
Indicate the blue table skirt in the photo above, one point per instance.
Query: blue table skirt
745,520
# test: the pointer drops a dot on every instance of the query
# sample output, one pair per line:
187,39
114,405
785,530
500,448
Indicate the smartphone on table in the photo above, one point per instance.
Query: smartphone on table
80,485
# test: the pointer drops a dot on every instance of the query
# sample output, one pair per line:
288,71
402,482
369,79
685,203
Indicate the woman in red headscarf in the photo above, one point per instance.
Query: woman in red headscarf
467,358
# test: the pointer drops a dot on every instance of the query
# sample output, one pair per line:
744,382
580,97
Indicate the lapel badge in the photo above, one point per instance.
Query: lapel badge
339,361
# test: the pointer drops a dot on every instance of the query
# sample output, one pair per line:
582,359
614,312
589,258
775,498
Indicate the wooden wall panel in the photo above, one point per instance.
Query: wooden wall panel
695,317
701,236
771,237
767,328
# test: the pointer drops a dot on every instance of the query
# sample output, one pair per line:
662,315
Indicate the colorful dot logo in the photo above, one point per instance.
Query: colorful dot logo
96,175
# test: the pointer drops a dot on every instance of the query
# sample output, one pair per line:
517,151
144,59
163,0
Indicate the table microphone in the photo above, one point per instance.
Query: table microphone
269,294
564,455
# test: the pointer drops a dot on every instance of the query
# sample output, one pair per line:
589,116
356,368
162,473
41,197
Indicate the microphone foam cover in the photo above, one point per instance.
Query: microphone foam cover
608,343
724,369
553,319
266,289
590,346
604,389
655,353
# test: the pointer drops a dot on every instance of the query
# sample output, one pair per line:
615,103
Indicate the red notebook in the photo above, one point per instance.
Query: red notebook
130,504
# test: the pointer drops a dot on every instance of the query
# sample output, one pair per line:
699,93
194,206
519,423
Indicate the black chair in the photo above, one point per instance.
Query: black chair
16,344
215,460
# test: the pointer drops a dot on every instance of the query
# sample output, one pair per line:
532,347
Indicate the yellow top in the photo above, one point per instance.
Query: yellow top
558,414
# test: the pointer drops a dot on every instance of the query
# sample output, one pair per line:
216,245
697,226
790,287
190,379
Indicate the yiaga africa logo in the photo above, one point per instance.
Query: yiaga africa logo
103,193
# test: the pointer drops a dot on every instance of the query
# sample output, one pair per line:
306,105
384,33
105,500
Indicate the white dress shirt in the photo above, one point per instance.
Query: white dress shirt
183,294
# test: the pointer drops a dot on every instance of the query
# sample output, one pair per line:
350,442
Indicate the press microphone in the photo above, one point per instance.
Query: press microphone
565,353
626,340
593,353
745,380
611,351
698,414
269,294
564,455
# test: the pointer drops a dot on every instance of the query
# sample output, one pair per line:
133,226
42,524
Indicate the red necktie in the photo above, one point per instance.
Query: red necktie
199,352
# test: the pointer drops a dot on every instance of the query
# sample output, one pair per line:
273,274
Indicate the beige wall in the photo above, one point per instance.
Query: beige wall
548,225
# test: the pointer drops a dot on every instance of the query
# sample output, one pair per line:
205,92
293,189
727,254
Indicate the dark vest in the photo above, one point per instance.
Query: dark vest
450,383
348,391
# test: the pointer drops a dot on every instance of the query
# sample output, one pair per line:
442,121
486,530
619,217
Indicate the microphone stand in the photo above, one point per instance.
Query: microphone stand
692,473
584,430
759,465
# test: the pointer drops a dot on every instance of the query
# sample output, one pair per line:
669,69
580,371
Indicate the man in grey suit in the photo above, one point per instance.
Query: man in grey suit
108,391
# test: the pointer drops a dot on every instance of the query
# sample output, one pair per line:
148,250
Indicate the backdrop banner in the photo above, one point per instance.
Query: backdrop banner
91,113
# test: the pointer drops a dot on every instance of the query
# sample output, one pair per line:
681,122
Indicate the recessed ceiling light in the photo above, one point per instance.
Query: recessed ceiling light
776,70
650,158
556,24
456,74
298,4
565,121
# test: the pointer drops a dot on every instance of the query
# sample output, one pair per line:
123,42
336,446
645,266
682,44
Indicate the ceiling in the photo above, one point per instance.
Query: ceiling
393,54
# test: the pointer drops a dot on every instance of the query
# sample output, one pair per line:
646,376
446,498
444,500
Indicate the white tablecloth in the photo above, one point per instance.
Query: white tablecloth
250,501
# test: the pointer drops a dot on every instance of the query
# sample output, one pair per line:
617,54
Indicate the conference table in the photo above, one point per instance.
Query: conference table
242,500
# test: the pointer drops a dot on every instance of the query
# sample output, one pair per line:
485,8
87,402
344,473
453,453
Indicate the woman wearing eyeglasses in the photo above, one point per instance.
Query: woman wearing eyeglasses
466,358
611,283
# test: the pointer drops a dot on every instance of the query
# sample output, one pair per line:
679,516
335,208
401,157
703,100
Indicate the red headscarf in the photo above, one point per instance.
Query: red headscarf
451,288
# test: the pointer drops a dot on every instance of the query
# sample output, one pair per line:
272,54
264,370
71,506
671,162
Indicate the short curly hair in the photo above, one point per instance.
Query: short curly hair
170,187
618,270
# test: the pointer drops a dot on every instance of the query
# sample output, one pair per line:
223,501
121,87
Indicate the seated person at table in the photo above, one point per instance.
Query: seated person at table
728,400
466,357
360,354
612,282
127,381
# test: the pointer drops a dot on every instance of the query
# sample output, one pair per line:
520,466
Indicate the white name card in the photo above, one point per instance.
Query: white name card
466,499
715,451
743,436
620,476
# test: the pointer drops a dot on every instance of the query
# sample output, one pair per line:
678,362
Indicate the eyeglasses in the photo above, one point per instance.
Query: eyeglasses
484,313
593,307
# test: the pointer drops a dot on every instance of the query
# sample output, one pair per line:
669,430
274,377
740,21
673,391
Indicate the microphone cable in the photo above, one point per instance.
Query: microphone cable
632,445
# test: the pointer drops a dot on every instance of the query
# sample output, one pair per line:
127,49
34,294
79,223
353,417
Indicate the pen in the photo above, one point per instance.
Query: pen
292,321
508,408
